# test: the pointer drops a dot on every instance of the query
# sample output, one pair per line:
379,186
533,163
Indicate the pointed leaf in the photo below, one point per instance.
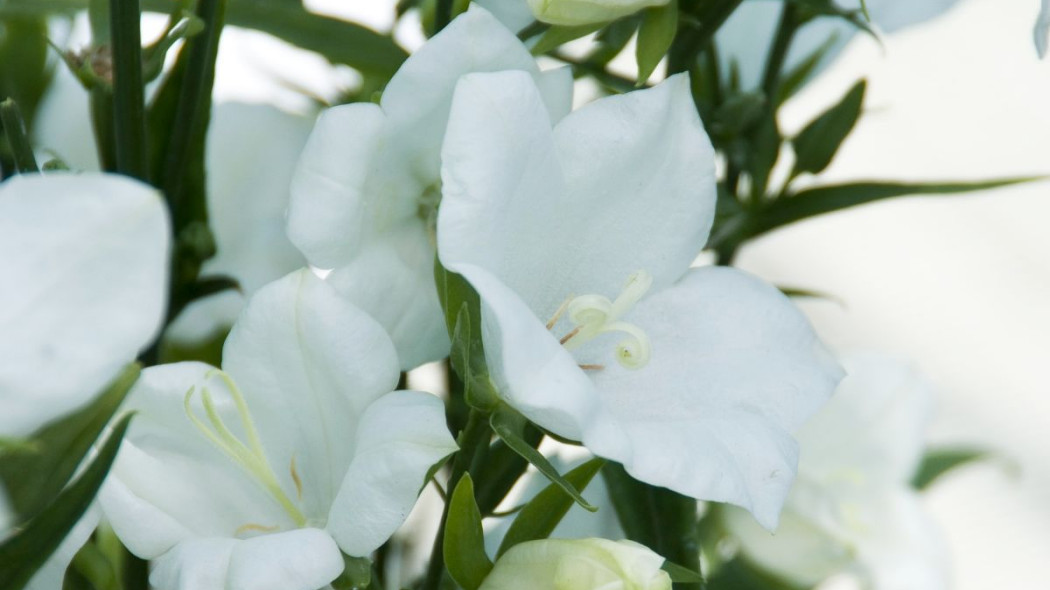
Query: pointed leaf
657,31
502,468
34,479
542,514
938,462
681,575
22,554
464,542
558,35
509,426
794,78
818,143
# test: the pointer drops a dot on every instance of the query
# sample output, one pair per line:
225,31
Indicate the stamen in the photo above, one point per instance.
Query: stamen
253,460
244,528
592,367
595,314
557,314
295,478
569,336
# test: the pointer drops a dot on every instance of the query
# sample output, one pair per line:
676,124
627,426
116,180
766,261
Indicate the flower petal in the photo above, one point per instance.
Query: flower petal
84,263
584,208
303,559
401,436
309,363
735,369
584,12
169,482
392,279
198,564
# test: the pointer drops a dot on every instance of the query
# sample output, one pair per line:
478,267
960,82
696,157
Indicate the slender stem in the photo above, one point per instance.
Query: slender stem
778,51
474,437
129,106
17,139
442,15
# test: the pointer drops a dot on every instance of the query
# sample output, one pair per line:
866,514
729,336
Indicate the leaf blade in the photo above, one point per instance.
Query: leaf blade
464,540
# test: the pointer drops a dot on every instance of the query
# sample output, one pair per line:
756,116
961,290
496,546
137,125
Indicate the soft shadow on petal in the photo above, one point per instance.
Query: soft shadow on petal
303,559
198,564
84,263
401,436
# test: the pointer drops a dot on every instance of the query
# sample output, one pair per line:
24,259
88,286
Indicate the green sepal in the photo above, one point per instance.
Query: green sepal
938,462
655,34
538,518
34,479
464,541
680,574
818,142
22,554
558,35
509,426
462,308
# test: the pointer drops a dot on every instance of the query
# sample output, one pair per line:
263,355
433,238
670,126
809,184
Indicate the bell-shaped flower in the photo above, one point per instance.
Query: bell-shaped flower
259,475
578,564
584,12
365,194
852,508
579,241
84,260
1042,30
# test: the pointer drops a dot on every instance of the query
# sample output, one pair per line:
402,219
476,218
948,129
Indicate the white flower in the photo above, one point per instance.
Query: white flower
251,154
1042,29
584,12
852,508
578,564
258,475
579,241
364,196
84,262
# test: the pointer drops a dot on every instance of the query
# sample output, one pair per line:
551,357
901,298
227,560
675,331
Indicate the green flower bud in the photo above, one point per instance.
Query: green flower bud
578,564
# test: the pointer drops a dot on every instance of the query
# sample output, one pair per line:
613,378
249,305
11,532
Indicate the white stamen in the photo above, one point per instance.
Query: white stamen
595,314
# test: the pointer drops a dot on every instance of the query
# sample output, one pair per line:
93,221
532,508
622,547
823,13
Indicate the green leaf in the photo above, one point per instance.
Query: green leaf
339,41
681,575
938,462
462,308
559,35
612,39
796,77
17,139
657,31
542,514
656,517
502,468
33,480
464,541
818,143
22,554
739,574
509,426
828,199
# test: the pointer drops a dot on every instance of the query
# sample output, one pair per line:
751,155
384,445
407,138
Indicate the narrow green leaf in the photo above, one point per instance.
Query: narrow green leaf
17,138
559,35
612,39
509,426
938,462
818,143
33,480
542,514
704,19
129,103
22,554
681,575
796,77
502,468
464,542
828,199
657,31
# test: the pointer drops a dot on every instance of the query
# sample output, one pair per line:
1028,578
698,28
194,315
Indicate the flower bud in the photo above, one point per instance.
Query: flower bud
585,12
578,564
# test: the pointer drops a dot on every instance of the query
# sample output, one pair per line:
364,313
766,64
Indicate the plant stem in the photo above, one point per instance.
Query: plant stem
15,130
129,106
442,15
778,51
474,437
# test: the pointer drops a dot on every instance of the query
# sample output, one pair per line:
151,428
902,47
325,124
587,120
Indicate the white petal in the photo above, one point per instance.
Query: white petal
578,564
392,279
309,363
303,559
325,215
84,264
401,436
50,576
845,443
904,549
198,564
1042,30
735,369
62,125
170,483
545,217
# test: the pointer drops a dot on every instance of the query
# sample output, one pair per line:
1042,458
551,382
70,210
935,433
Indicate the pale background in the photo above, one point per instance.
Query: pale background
961,285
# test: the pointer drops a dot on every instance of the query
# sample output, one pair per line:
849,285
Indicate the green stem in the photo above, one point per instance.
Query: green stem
692,37
442,15
473,439
778,51
129,106
15,130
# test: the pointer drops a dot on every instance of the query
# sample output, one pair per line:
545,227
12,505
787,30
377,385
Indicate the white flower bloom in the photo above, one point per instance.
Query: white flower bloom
84,262
584,12
1042,29
852,508
578,564
368,183
251,154
258,475
746,36
579,241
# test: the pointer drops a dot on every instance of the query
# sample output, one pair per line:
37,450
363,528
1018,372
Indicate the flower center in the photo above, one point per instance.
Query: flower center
251,457
427,209
592,315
